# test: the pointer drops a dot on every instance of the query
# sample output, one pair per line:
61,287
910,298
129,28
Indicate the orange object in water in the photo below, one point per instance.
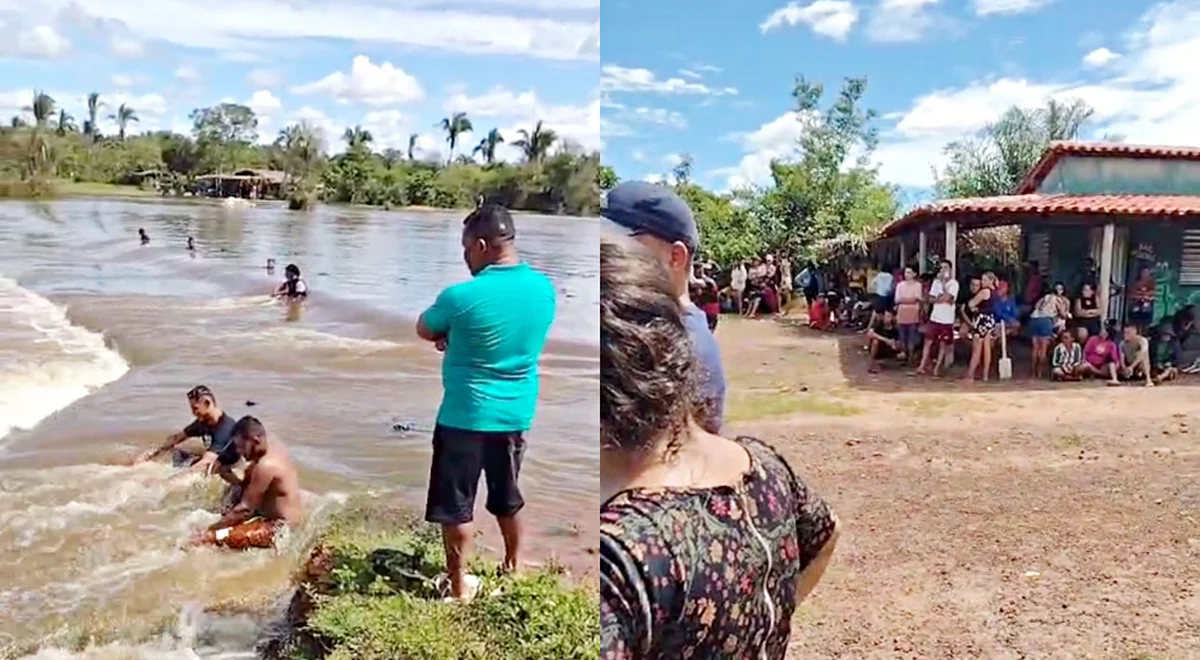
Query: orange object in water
256,533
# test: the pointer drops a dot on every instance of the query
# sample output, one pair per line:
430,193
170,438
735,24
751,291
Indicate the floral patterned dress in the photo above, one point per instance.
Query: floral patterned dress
708,572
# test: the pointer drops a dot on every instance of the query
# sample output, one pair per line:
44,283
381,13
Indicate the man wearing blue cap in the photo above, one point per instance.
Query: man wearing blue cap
661,221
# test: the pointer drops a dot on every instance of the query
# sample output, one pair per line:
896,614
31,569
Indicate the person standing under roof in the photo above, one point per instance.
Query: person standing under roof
659,219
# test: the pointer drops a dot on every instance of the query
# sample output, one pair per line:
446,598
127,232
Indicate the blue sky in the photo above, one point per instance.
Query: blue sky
712,78
394,66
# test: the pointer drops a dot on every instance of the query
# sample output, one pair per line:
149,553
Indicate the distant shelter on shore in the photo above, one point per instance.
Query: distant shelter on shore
1124,206
247,184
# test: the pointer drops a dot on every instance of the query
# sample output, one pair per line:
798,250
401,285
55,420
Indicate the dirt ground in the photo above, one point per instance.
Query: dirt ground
1003,520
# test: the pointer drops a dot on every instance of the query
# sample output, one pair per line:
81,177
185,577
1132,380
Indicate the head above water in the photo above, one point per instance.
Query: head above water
251,437
661,221
488,237
203,403
292,272
648,377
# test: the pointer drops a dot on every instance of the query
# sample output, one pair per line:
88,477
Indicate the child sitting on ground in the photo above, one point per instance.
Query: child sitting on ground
1066,363
818,314
1166,355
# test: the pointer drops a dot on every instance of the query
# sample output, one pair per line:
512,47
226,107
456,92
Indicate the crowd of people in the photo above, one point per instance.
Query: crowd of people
917,320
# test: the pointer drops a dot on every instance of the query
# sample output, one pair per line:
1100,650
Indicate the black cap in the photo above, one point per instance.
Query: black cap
652,210
491,222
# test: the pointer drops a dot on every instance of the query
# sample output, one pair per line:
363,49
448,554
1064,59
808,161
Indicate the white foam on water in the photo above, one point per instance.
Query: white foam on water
182,643
315,339
46,362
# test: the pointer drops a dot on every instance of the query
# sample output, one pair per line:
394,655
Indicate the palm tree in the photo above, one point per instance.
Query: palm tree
302,145
17,121
123,116
65,122
487,146
42,108
357,138
682,171
412,145
455,125
536,144
94,105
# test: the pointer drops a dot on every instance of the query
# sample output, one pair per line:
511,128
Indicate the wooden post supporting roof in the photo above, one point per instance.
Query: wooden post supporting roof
922,254
1106,263
952,246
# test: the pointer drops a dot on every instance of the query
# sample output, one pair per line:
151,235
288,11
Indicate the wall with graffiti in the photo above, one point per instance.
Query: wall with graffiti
1159,248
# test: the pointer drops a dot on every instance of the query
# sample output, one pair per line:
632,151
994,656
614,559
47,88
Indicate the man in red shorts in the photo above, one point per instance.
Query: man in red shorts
269,496
942,293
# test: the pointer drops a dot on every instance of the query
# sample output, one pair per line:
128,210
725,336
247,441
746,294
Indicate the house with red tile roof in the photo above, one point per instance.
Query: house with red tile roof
1126,206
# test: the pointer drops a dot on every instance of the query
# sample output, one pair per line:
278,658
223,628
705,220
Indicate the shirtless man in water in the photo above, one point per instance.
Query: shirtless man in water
270,494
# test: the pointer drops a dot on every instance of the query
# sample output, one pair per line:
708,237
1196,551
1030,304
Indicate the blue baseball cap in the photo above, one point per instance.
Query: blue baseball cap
649,209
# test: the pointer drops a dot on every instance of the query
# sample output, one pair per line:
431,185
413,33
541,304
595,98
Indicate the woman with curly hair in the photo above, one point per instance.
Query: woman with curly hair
706,543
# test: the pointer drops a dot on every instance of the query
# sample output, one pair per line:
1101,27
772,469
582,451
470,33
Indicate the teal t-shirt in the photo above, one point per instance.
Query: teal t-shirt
495,326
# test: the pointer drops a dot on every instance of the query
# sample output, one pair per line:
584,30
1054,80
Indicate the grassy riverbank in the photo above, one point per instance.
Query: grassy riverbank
56,189
368,593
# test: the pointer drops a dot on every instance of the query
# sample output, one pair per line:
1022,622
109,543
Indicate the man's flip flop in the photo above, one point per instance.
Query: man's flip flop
472,584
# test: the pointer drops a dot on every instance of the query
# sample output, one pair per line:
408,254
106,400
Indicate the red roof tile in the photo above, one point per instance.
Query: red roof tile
1057,150
1049,205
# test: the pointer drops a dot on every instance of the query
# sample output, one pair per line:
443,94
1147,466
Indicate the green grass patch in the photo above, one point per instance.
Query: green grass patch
378,600
750,406
94,189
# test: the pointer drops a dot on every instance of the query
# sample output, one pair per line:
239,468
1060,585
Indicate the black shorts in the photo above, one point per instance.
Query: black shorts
458,459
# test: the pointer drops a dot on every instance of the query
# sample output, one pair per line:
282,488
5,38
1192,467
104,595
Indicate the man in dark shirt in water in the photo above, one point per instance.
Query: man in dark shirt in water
144,236
268,500
214,427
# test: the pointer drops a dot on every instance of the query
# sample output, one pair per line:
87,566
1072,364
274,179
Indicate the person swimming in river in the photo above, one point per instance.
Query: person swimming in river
191,244
144,236
268,500
293,287
215,428
270,266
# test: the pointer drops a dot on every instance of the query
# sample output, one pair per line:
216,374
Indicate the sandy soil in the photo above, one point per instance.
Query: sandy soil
1004,520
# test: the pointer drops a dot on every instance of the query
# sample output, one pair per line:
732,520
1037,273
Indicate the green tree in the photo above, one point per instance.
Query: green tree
535,144
123,116
89,125
357,138
224,134
682,170
827,186
391,157
606,177
66,122
487,146
302,146
454,126
42,108
996,160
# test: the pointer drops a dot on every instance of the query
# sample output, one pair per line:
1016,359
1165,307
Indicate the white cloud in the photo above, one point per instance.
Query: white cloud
514,111
990,7
264,78
37,42
121,80
639,155
264,103
534,29
773,140
615,78
621,115
688,73
832,18
187,74
126,48
1099,57
367,83
902,20
1152,96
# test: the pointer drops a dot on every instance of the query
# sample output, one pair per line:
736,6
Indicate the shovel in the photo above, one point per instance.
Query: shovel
1005,365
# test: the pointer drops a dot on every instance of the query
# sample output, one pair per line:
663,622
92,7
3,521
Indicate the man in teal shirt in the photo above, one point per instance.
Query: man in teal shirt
492,329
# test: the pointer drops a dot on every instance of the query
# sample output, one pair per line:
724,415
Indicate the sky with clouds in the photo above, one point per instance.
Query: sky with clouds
712,78
394,66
